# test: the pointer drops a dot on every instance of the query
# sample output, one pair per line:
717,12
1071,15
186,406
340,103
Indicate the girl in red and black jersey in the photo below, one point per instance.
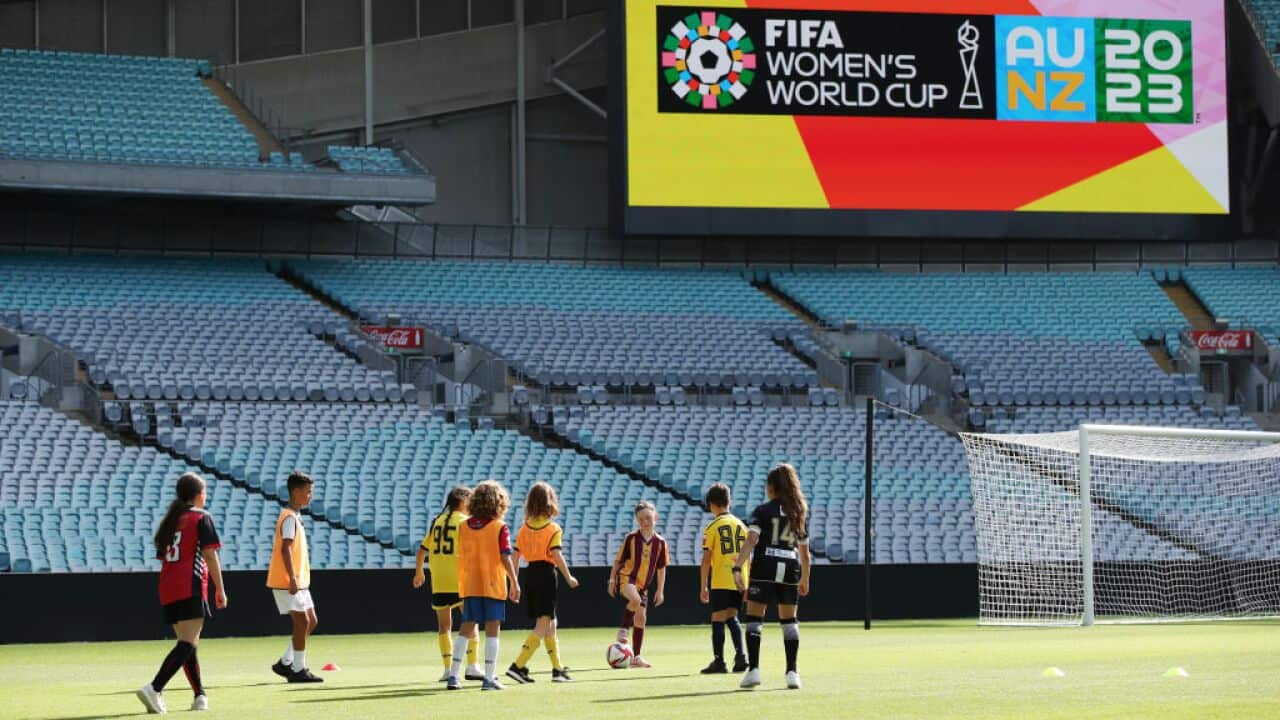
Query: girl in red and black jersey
187,547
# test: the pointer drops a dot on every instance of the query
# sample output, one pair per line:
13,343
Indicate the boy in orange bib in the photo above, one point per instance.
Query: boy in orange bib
289,578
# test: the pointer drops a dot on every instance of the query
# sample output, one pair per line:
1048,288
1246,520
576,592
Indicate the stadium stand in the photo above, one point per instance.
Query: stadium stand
383,471
1030,339
163,328
1247,297
211,359
923,508
372,160
117,109
74,500
923,512
568,326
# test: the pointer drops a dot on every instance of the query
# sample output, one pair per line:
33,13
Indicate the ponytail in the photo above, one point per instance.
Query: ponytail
785,483
188,487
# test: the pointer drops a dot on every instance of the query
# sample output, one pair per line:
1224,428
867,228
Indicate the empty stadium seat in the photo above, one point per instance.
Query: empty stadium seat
88,107
72,500
1063,338
570,326
165,328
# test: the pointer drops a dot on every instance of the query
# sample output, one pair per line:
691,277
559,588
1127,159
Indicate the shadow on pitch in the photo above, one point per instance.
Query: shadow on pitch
385,695
613,679
100,716
678,696
207,686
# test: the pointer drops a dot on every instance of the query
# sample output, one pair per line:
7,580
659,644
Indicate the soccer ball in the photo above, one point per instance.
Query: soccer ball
618,655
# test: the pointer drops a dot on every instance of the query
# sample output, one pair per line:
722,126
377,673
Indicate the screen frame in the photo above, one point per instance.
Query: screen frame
945,224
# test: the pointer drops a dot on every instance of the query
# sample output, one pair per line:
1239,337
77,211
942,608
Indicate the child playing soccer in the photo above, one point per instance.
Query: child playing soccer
289,578
441,543
642,557
539,541
778,548
721,542
484,569
187,547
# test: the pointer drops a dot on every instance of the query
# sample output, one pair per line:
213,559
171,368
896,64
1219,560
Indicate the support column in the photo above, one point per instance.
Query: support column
368,72
522,200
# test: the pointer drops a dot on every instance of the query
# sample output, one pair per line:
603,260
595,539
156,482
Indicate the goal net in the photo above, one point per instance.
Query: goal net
1126,524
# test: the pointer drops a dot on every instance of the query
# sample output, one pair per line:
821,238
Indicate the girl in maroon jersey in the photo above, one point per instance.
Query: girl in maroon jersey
187,547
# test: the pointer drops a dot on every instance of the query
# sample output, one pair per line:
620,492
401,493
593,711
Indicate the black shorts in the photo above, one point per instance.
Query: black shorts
769,593
725,600
189,609
539,590
442,601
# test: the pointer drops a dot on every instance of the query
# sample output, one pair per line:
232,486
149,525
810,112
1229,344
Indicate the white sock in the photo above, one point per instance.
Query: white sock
299,660
459,655
490,658
287,657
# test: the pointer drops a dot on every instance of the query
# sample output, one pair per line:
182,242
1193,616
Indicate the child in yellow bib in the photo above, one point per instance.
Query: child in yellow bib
486,578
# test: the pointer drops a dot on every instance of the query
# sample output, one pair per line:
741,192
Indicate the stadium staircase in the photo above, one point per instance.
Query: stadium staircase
1189,305
267,143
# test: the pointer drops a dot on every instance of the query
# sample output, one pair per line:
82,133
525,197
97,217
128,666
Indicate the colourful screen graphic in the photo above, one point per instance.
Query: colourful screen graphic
1077,106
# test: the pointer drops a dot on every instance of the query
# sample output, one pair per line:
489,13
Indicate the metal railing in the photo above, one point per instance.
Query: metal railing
274,121
71,230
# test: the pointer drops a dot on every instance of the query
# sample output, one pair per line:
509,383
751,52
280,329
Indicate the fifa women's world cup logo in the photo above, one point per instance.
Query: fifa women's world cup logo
968,35
708,60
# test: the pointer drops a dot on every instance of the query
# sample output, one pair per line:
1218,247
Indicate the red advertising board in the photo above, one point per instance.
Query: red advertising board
1223,340
403,339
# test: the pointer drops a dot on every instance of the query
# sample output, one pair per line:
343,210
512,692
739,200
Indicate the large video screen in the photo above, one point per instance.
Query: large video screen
868,116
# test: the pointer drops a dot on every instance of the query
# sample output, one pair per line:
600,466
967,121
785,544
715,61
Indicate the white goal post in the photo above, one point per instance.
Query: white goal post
1116,523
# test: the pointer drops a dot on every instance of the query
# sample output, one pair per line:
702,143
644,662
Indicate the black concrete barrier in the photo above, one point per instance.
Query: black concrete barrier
123,606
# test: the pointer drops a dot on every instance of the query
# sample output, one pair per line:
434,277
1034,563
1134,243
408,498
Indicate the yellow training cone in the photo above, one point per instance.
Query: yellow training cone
1176,672
1052,672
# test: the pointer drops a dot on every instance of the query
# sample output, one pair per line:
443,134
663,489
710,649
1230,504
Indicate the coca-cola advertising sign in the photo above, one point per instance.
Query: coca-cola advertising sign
403,339
1223,340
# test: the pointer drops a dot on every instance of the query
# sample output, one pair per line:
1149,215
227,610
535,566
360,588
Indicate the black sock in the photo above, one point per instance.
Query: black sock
174,661
717,639
735,634
791,641
192,669
753,641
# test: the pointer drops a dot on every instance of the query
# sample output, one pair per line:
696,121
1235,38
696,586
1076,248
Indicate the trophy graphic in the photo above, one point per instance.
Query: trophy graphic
971,97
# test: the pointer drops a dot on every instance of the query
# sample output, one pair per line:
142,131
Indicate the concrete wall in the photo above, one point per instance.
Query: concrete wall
324,92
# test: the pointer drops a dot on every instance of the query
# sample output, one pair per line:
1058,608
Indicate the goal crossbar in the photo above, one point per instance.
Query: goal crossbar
1191,433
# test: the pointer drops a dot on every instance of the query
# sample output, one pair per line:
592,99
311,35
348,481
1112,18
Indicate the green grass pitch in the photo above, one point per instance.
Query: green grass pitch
898,670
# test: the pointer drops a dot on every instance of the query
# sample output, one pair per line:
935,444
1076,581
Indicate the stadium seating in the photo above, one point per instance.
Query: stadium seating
73,500
1247,297
569,326
1266,14
923,512
923,508
384,471
1023,339
163,328
369,160
117,109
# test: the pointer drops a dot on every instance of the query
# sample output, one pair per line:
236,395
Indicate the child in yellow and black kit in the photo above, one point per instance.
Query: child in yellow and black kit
539,541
